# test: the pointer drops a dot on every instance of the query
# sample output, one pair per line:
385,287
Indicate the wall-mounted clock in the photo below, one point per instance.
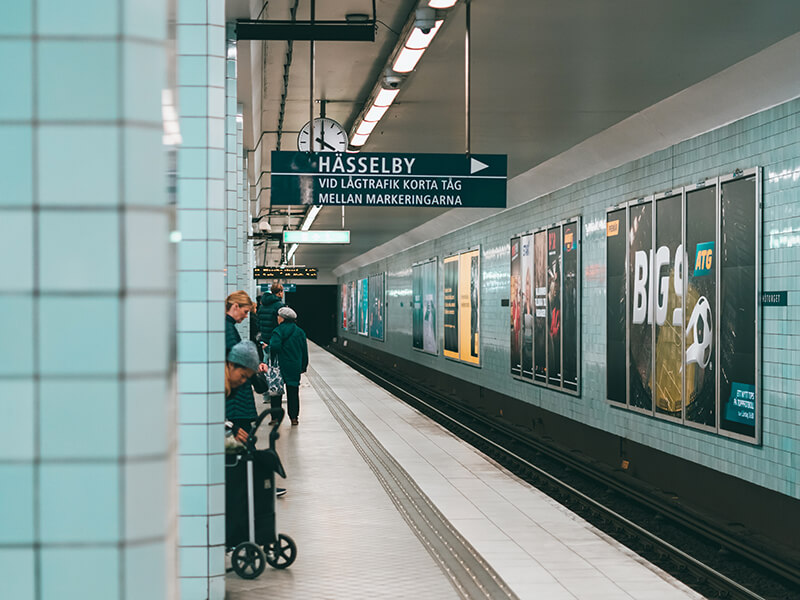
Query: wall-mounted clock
329,136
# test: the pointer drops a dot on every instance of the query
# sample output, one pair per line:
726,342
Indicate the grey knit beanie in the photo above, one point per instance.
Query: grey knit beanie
245,354
287,313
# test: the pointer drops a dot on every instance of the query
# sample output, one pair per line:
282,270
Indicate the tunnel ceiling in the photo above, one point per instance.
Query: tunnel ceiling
545,76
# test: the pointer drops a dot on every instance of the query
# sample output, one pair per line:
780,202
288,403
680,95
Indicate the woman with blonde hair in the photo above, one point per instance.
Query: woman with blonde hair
240,405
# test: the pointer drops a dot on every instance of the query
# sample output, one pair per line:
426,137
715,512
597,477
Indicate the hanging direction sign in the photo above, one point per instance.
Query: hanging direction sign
288,272
385,179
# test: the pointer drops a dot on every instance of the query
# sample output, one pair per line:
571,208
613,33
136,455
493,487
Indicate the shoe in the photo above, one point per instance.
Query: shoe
294,421
280,492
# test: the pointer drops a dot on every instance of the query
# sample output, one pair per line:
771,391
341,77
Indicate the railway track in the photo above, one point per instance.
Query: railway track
691,544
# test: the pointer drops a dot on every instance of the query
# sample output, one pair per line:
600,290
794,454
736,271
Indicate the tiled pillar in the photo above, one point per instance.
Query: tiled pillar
87,446
231,193
201,297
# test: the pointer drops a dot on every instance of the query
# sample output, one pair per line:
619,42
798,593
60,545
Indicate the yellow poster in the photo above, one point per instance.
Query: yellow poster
451,312
469,281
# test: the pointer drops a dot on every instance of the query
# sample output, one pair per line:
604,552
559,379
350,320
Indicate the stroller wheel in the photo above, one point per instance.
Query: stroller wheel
282,552
248,560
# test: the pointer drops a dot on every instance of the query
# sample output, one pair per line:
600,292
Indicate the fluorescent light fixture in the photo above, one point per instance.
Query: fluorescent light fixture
375,113
316,237
291,252
441,3
412,50
366,127
310,216
385,97
358,139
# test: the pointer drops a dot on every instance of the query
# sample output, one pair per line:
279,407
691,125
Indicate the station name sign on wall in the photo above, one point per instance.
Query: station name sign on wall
384,179
288,272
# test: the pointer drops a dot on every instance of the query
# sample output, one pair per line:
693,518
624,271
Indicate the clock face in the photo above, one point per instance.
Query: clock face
329,136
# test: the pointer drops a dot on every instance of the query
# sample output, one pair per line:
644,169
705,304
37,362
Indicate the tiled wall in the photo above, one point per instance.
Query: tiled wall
768,139
87,442
201,296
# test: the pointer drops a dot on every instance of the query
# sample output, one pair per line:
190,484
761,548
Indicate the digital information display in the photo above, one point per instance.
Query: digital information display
287,272
678,347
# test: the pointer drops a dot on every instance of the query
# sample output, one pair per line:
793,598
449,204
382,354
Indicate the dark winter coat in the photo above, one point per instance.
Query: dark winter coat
288,343
240,404
267,315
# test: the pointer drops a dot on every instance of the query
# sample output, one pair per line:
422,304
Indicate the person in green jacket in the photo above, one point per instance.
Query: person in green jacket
288,343
267,312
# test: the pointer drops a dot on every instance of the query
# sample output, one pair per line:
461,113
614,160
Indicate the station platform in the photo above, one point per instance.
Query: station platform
382,502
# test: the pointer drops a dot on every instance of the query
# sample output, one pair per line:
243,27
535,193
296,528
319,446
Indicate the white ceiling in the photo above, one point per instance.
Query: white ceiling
546,76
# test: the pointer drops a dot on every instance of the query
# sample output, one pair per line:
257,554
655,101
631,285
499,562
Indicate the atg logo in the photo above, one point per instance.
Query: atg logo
705,259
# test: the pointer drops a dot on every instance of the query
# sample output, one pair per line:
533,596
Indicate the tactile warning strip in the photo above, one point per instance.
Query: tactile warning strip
470,574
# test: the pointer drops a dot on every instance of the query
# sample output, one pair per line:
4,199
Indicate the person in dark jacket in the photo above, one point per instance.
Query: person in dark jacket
268,312
241,364
288,343
240,406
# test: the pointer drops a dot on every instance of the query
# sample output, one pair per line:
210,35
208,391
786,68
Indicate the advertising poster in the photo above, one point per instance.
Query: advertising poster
616,247
640,311
526,279
451,312
540,307
416,307
469,282
701,309
429,343
351,308
554,306
363,306
569,303
515,303
344,305
668,283
376,306
738,312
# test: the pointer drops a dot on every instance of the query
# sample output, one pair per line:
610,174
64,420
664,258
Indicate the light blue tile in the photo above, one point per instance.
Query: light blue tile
192,408
216,560
193,131
193,102
85,18
216,162
93,180
146,567
16,490
216,500
63,573
16,358
216,133
193,500
216,12
16,420
16,61
192,256
144,167
216,588
16,160
70,410
193,439
216,41
78,80
193,224
144,79
216,531
147,491
192,285
17,574
192,317
16,18
216,256
192,470
193,531
192,378
149,417
87,246
216,286
192,39
192,193
79,503
147,333
193,162
145,18
192,347
16,251
216,468
192,70
216,74
216,438
194,588
216,193
80,334
148,250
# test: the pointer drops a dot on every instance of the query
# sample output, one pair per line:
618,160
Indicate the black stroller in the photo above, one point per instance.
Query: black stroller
250,529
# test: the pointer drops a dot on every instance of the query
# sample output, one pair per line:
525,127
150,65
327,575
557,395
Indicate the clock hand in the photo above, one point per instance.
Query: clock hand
324,143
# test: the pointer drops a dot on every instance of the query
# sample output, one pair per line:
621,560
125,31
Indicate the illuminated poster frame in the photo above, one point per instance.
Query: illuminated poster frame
363,306
377,307
344,297
689,306
424,325
545,306
461,321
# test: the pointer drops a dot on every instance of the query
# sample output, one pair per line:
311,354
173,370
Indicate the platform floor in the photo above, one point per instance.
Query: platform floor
385,503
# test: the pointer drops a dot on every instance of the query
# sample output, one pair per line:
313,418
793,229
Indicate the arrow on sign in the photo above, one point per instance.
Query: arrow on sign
476,165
